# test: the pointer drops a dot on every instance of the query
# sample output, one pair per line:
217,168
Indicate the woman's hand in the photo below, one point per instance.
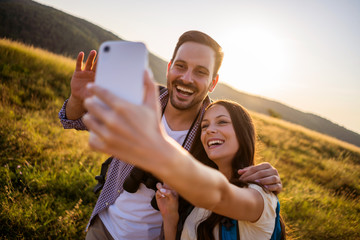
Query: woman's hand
168,202
127,131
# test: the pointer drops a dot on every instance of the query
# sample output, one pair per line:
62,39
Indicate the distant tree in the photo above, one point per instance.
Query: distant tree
274,114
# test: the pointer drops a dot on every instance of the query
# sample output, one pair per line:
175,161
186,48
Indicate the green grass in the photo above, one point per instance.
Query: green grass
47,173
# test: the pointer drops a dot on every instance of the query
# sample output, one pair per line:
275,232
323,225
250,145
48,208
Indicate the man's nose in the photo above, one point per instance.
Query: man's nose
186,77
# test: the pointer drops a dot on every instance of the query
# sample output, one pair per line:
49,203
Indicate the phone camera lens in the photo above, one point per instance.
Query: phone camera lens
106,48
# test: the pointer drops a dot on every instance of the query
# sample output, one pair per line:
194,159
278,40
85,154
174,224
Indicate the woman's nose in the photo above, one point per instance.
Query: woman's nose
211,129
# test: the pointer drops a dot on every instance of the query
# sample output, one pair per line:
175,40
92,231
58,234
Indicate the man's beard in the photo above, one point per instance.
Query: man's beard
195,101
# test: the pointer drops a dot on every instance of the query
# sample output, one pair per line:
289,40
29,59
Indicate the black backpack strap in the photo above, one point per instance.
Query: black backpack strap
101,178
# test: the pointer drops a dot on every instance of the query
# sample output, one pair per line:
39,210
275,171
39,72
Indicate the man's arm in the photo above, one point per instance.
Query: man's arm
264,174
73,109
68,123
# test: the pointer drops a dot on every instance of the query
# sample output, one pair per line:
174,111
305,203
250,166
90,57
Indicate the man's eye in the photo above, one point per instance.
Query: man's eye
179,65
202,72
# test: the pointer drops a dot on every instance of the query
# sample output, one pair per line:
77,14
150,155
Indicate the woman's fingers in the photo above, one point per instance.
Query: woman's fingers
110,99
151,93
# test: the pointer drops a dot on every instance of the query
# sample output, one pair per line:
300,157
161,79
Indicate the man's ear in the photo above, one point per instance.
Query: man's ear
213,83
168,68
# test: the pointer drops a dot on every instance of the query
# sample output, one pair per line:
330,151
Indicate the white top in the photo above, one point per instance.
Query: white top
132,216
261,229
178,136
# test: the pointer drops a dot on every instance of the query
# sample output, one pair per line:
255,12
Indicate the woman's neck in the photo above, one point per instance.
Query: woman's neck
226,170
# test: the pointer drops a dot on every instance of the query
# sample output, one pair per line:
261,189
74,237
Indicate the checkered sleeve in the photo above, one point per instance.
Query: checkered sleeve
70,124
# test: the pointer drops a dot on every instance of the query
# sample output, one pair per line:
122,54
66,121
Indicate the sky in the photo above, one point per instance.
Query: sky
305,54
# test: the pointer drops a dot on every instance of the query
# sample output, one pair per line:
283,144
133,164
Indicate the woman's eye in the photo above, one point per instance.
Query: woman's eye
204,126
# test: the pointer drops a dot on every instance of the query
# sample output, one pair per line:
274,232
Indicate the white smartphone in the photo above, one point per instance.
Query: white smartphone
120,69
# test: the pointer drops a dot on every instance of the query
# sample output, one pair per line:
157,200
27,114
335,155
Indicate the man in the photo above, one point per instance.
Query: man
191,74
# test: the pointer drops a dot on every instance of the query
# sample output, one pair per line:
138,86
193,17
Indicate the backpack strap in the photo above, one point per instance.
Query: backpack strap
101,178
277,229
229,229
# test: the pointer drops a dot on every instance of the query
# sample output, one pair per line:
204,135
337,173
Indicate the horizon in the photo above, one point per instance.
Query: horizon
282,49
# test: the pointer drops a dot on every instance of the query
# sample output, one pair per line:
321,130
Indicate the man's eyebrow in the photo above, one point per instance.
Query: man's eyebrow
202,67
179,60
197,66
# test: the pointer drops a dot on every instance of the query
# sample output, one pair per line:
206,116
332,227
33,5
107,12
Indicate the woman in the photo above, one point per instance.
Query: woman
134,134
225,141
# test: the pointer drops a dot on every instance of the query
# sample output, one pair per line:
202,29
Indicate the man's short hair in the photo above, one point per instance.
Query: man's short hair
202,38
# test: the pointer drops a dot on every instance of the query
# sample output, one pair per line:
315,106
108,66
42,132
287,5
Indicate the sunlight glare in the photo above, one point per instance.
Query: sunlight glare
255,61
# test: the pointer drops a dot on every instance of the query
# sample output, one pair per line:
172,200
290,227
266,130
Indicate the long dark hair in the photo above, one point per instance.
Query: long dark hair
245,156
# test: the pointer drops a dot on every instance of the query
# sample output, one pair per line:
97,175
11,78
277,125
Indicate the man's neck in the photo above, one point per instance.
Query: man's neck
179,120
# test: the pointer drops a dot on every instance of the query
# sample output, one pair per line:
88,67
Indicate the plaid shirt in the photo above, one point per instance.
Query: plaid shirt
118,171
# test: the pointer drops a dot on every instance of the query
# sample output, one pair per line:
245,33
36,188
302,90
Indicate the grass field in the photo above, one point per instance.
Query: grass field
47,173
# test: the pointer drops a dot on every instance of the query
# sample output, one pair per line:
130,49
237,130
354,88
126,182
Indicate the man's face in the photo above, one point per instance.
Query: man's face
190,76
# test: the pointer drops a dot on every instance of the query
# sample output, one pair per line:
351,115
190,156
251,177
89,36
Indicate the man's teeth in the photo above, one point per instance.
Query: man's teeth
215,142
185,90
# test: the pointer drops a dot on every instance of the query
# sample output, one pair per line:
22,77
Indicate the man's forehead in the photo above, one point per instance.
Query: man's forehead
192,52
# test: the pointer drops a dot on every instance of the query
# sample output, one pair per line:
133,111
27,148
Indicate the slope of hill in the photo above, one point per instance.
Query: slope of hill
58,32
47,173
308,120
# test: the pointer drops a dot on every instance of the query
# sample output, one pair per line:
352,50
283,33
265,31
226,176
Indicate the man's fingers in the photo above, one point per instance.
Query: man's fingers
95,64
90,60
269,180
252,176
276,188
249,171
79,61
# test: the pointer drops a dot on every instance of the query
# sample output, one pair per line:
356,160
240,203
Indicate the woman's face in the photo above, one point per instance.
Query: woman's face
218,135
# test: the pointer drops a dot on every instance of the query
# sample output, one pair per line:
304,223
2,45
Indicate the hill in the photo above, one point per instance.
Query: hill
38,25
279,110
47,173
61,33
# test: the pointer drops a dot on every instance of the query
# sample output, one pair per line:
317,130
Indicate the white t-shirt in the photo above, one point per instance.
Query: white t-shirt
132,216
261,229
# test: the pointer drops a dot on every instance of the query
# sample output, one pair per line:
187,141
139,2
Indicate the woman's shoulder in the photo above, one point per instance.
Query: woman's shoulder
264,226
270,201
263,192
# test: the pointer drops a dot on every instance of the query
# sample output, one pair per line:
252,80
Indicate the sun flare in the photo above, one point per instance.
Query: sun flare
255,61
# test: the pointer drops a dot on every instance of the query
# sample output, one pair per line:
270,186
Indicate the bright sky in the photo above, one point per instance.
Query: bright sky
305,54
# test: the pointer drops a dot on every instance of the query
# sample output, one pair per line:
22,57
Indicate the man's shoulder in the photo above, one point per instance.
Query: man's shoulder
162,88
